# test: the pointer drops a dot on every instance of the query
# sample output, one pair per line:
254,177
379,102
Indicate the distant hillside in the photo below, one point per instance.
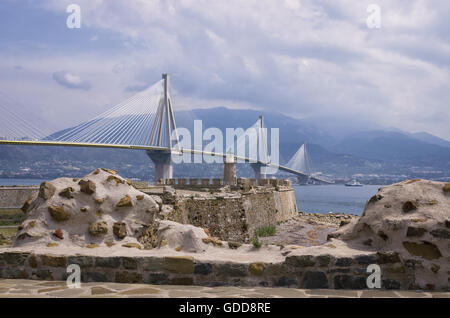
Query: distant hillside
341,151
431,139
394,147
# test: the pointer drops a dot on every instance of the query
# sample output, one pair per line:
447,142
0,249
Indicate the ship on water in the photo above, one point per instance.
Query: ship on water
353,183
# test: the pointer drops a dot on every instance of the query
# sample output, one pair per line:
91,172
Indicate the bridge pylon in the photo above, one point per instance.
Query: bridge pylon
161,135
260,168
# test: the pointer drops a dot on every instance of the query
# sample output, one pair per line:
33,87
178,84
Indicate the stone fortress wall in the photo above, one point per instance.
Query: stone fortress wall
14,197
297,271
232,215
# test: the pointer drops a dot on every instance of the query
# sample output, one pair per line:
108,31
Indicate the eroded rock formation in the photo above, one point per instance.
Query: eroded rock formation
410,218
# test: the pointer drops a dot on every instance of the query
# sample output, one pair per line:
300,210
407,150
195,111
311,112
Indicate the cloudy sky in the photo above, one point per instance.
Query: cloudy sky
299,57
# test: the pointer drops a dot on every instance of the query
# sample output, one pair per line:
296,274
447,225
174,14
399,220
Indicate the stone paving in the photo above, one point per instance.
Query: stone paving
19,288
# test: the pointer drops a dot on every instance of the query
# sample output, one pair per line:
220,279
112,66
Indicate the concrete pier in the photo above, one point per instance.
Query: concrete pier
260,170
302,179
229,172
163,164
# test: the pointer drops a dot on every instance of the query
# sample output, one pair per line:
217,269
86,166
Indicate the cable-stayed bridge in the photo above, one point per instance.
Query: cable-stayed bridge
146,121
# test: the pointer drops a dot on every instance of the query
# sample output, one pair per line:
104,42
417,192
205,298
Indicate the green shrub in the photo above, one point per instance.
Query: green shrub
264,231
256,243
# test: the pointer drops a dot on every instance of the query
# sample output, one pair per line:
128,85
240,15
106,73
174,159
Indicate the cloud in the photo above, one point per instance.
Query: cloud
302,58
137,87
71,80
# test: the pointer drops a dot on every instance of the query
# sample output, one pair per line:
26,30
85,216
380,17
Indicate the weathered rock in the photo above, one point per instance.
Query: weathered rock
300,261
366,259
231,270
54,261
67,193
94,277
286,282
415,231
111,171
179,265
324,260
82,261
120,230
257,268
33,261
375,198
98,228
234,245
344,262
383,235
409,206
125,202
203,269
118,180
441,233
435,268
158,279
129,263
108,262
425,250
59,234
344,222
388,257
46,190
128,277
14,258
87,186
212,240
390,284
132,245
446,187
315,280
58,213
349,282
26,206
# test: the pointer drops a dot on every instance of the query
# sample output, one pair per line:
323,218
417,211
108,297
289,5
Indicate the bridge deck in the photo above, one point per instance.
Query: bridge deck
154,148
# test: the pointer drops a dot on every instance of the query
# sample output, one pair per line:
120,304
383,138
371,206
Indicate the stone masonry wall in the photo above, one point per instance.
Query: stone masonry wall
236,218
304,271
15,197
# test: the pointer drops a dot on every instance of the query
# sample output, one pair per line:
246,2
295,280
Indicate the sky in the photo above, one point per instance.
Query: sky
302,58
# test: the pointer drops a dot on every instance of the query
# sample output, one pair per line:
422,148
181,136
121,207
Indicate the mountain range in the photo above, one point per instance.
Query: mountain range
335,147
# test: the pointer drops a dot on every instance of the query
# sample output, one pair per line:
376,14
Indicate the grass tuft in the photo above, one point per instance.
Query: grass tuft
256,243
264,231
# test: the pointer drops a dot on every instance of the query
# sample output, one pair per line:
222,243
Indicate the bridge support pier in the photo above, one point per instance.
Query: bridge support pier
229,171
163,164
260,170
302,179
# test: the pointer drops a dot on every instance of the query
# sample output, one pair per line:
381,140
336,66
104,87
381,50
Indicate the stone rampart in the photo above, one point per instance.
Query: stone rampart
15,197
236,215
297,271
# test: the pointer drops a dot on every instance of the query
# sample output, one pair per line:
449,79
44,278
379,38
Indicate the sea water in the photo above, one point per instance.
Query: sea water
333,198
310,198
